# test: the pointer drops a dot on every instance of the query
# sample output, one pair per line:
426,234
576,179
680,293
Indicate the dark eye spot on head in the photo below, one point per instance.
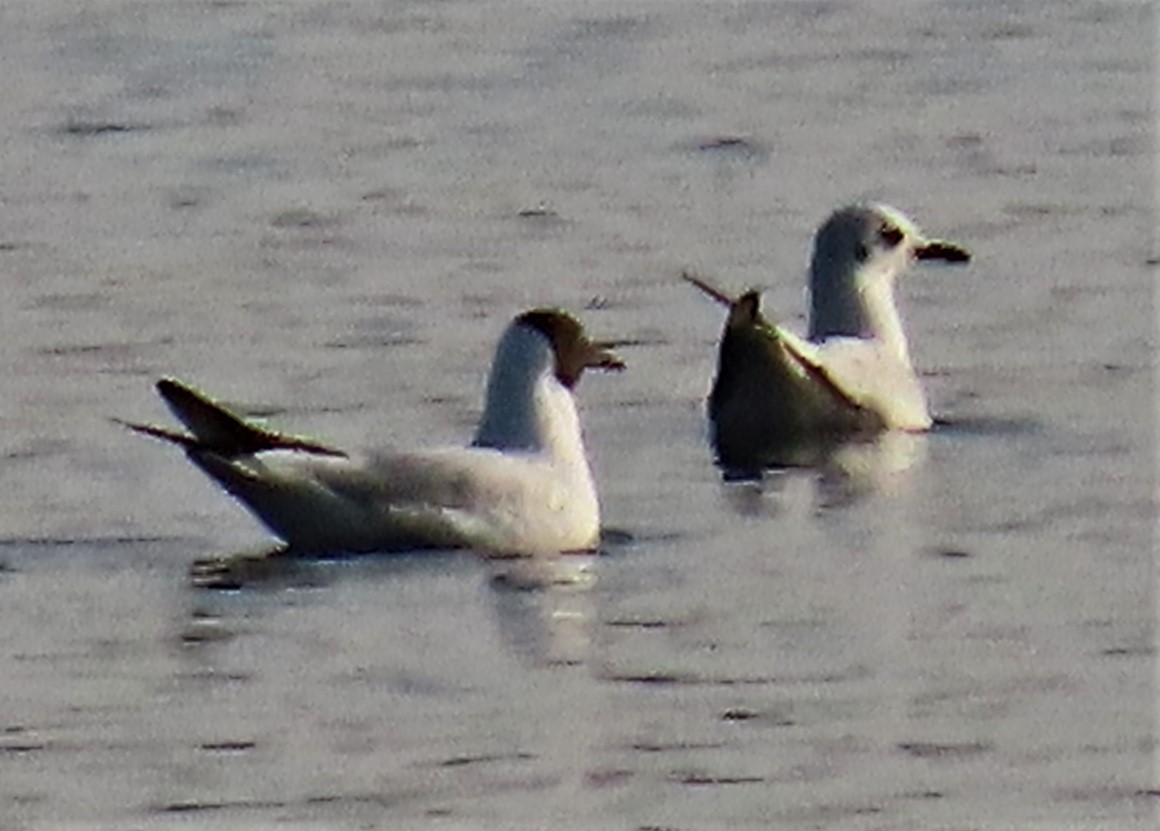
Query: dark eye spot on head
890,235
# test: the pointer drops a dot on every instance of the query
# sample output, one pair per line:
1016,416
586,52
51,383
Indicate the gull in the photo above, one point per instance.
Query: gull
522,487
780,399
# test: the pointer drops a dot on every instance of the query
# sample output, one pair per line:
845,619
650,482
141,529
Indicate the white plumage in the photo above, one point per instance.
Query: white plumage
522,487
780,399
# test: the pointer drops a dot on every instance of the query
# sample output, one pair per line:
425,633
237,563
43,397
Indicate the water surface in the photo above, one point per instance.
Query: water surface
330,211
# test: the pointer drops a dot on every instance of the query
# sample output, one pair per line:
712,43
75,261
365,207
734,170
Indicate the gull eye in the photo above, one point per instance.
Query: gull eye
890,235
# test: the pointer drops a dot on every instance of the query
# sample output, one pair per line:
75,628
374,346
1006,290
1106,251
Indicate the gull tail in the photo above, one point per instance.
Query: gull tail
772,354
772,399
215,429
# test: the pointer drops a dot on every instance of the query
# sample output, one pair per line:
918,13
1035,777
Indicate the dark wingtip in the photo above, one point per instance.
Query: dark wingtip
168,386
217,427
708,288
175,393
172,436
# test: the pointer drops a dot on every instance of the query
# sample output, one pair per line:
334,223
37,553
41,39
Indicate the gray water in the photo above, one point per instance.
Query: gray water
330,210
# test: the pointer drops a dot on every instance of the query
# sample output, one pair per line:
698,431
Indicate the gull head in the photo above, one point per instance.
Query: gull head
538,362
571,351
858,253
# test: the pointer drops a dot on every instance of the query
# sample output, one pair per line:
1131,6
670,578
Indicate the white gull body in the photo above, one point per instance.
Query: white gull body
779,398
523,487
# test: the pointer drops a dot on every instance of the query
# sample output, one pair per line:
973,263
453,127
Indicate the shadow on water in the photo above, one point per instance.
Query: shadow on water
845,473
543,606
987,426
274,568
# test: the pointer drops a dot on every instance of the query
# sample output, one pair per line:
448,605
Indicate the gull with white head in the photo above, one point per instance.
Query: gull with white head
523,486
780,399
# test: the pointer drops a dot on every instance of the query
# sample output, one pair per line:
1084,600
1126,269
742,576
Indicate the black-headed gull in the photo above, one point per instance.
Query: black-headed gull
780,399
522,487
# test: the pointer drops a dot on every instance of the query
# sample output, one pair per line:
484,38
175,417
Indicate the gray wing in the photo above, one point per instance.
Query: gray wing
457,497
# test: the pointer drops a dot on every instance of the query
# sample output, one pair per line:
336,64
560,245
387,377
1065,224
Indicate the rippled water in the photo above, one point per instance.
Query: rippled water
329,211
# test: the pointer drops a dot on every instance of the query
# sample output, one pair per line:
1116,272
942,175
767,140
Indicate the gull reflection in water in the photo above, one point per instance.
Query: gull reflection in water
833,476
882,466
544,606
